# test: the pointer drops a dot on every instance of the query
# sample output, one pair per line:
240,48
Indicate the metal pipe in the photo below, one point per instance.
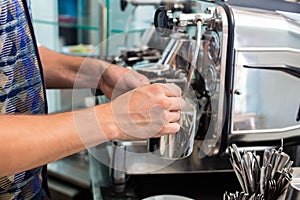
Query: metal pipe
194,60
102,28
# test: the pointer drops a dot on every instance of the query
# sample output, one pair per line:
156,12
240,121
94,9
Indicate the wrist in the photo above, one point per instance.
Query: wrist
107,122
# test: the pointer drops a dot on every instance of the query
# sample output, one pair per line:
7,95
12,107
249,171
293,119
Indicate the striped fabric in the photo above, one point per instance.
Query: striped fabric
21,88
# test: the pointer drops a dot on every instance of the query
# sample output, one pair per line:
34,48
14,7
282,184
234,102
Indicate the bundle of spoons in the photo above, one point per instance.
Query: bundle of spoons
264,178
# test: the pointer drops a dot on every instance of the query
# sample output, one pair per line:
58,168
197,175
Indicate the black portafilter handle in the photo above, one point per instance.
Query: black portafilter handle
96,92
163,21
123,5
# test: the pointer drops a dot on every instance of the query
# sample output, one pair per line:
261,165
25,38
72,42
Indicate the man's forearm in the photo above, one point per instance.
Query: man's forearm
31,141
65,71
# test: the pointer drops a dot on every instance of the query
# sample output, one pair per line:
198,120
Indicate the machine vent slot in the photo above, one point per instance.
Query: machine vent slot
298,115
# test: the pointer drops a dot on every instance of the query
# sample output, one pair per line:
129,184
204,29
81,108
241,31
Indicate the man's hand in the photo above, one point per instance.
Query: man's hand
117,80
146,112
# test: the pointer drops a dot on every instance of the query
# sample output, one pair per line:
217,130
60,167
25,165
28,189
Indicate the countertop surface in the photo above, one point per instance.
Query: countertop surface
73,169
212,185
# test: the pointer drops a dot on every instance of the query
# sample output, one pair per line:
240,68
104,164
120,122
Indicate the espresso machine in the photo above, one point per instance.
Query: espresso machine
239,67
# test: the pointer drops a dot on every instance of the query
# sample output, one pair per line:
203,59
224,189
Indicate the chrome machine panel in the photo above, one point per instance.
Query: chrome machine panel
266,98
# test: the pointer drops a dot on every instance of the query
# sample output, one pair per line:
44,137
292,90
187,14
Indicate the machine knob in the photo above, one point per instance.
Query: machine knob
163,21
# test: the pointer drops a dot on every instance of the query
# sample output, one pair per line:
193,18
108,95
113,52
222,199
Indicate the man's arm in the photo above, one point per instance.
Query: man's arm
65,71
61,70
29,141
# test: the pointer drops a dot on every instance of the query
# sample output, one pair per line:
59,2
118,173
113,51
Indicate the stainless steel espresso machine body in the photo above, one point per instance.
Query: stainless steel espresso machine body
242,67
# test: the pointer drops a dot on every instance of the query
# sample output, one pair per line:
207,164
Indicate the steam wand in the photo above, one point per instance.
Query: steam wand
194,60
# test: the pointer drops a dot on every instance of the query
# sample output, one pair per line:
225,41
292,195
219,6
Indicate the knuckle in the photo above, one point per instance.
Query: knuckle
165,103
164,130
165,116
156,87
